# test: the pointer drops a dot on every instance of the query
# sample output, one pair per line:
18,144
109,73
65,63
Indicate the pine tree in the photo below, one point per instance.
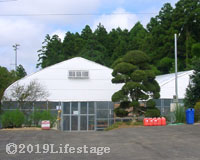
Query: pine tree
193,90
20,72
134,70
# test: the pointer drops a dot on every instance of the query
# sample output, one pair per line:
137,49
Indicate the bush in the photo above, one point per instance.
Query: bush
180,114
36,117
12,119
120,112
18,118
47,115
151,104
27,121
152,113
6,120
197,112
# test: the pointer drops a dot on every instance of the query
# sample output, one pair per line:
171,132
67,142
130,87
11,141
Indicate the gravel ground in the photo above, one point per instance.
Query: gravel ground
140,143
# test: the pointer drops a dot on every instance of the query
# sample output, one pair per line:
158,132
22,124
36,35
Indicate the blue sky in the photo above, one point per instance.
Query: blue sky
29,32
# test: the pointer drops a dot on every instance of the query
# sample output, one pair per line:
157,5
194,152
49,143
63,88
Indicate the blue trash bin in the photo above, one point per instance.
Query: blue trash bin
190,116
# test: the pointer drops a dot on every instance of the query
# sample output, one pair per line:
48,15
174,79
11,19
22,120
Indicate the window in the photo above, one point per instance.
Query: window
78,74
71,74
85,73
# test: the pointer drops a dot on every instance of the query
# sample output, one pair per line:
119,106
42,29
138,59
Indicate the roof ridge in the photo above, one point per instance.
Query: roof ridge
54,65
178,76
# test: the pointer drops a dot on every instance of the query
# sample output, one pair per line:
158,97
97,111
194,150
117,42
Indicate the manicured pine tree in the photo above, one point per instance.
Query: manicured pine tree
134,71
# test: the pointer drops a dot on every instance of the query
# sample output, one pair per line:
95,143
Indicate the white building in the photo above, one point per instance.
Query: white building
76,79
167,84
84,89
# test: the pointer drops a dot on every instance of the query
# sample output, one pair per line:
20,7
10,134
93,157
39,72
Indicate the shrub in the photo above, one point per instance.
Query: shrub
27,121
152,113
36,117
47,115
18,118
180,114
6,120
120,112
151,104
12,119
197,112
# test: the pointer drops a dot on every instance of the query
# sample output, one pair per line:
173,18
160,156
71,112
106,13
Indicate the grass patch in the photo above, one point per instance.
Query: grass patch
139,123
123,125
180,114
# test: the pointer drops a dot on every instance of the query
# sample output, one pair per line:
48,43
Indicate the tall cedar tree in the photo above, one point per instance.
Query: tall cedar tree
157,40
20,72
193,91
134,71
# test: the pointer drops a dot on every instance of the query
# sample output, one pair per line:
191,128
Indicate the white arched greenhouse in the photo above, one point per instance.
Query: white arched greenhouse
83,90
167,92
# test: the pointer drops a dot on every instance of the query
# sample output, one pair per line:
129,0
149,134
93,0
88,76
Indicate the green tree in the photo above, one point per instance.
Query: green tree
159,42
137,37
72,45
87,33
101,35
165,64
193,90
186,22
20,72
6,78
196,50
134,70
51,52
94,51
121,44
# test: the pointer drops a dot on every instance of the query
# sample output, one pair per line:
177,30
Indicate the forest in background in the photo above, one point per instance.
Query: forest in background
156,40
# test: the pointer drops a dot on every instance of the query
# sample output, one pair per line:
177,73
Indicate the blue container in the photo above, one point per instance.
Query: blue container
190,116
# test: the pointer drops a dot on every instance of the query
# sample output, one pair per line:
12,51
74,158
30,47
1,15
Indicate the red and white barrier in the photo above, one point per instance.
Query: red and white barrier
45,125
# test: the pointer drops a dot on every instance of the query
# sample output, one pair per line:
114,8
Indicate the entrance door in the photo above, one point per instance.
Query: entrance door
78,116
74,116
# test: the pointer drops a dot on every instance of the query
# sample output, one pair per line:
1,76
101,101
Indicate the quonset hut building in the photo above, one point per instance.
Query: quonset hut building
83,90
81,87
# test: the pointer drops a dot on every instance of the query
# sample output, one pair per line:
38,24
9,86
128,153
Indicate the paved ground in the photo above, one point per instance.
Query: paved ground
141,143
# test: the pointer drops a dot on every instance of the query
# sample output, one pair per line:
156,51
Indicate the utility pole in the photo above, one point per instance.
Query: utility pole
15,49
176,79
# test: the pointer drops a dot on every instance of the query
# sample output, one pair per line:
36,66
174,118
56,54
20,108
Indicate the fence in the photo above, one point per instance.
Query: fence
164,105
29,107
104,111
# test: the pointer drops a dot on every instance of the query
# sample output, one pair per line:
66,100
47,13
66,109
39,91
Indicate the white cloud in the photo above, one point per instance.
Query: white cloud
29,35
29,32
124,20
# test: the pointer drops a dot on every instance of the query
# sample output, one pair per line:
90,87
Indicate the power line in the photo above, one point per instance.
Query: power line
68,14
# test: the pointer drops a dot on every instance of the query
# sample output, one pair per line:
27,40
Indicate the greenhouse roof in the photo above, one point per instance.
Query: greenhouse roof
167,84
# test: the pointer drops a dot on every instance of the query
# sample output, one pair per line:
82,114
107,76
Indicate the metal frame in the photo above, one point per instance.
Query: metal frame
79,117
